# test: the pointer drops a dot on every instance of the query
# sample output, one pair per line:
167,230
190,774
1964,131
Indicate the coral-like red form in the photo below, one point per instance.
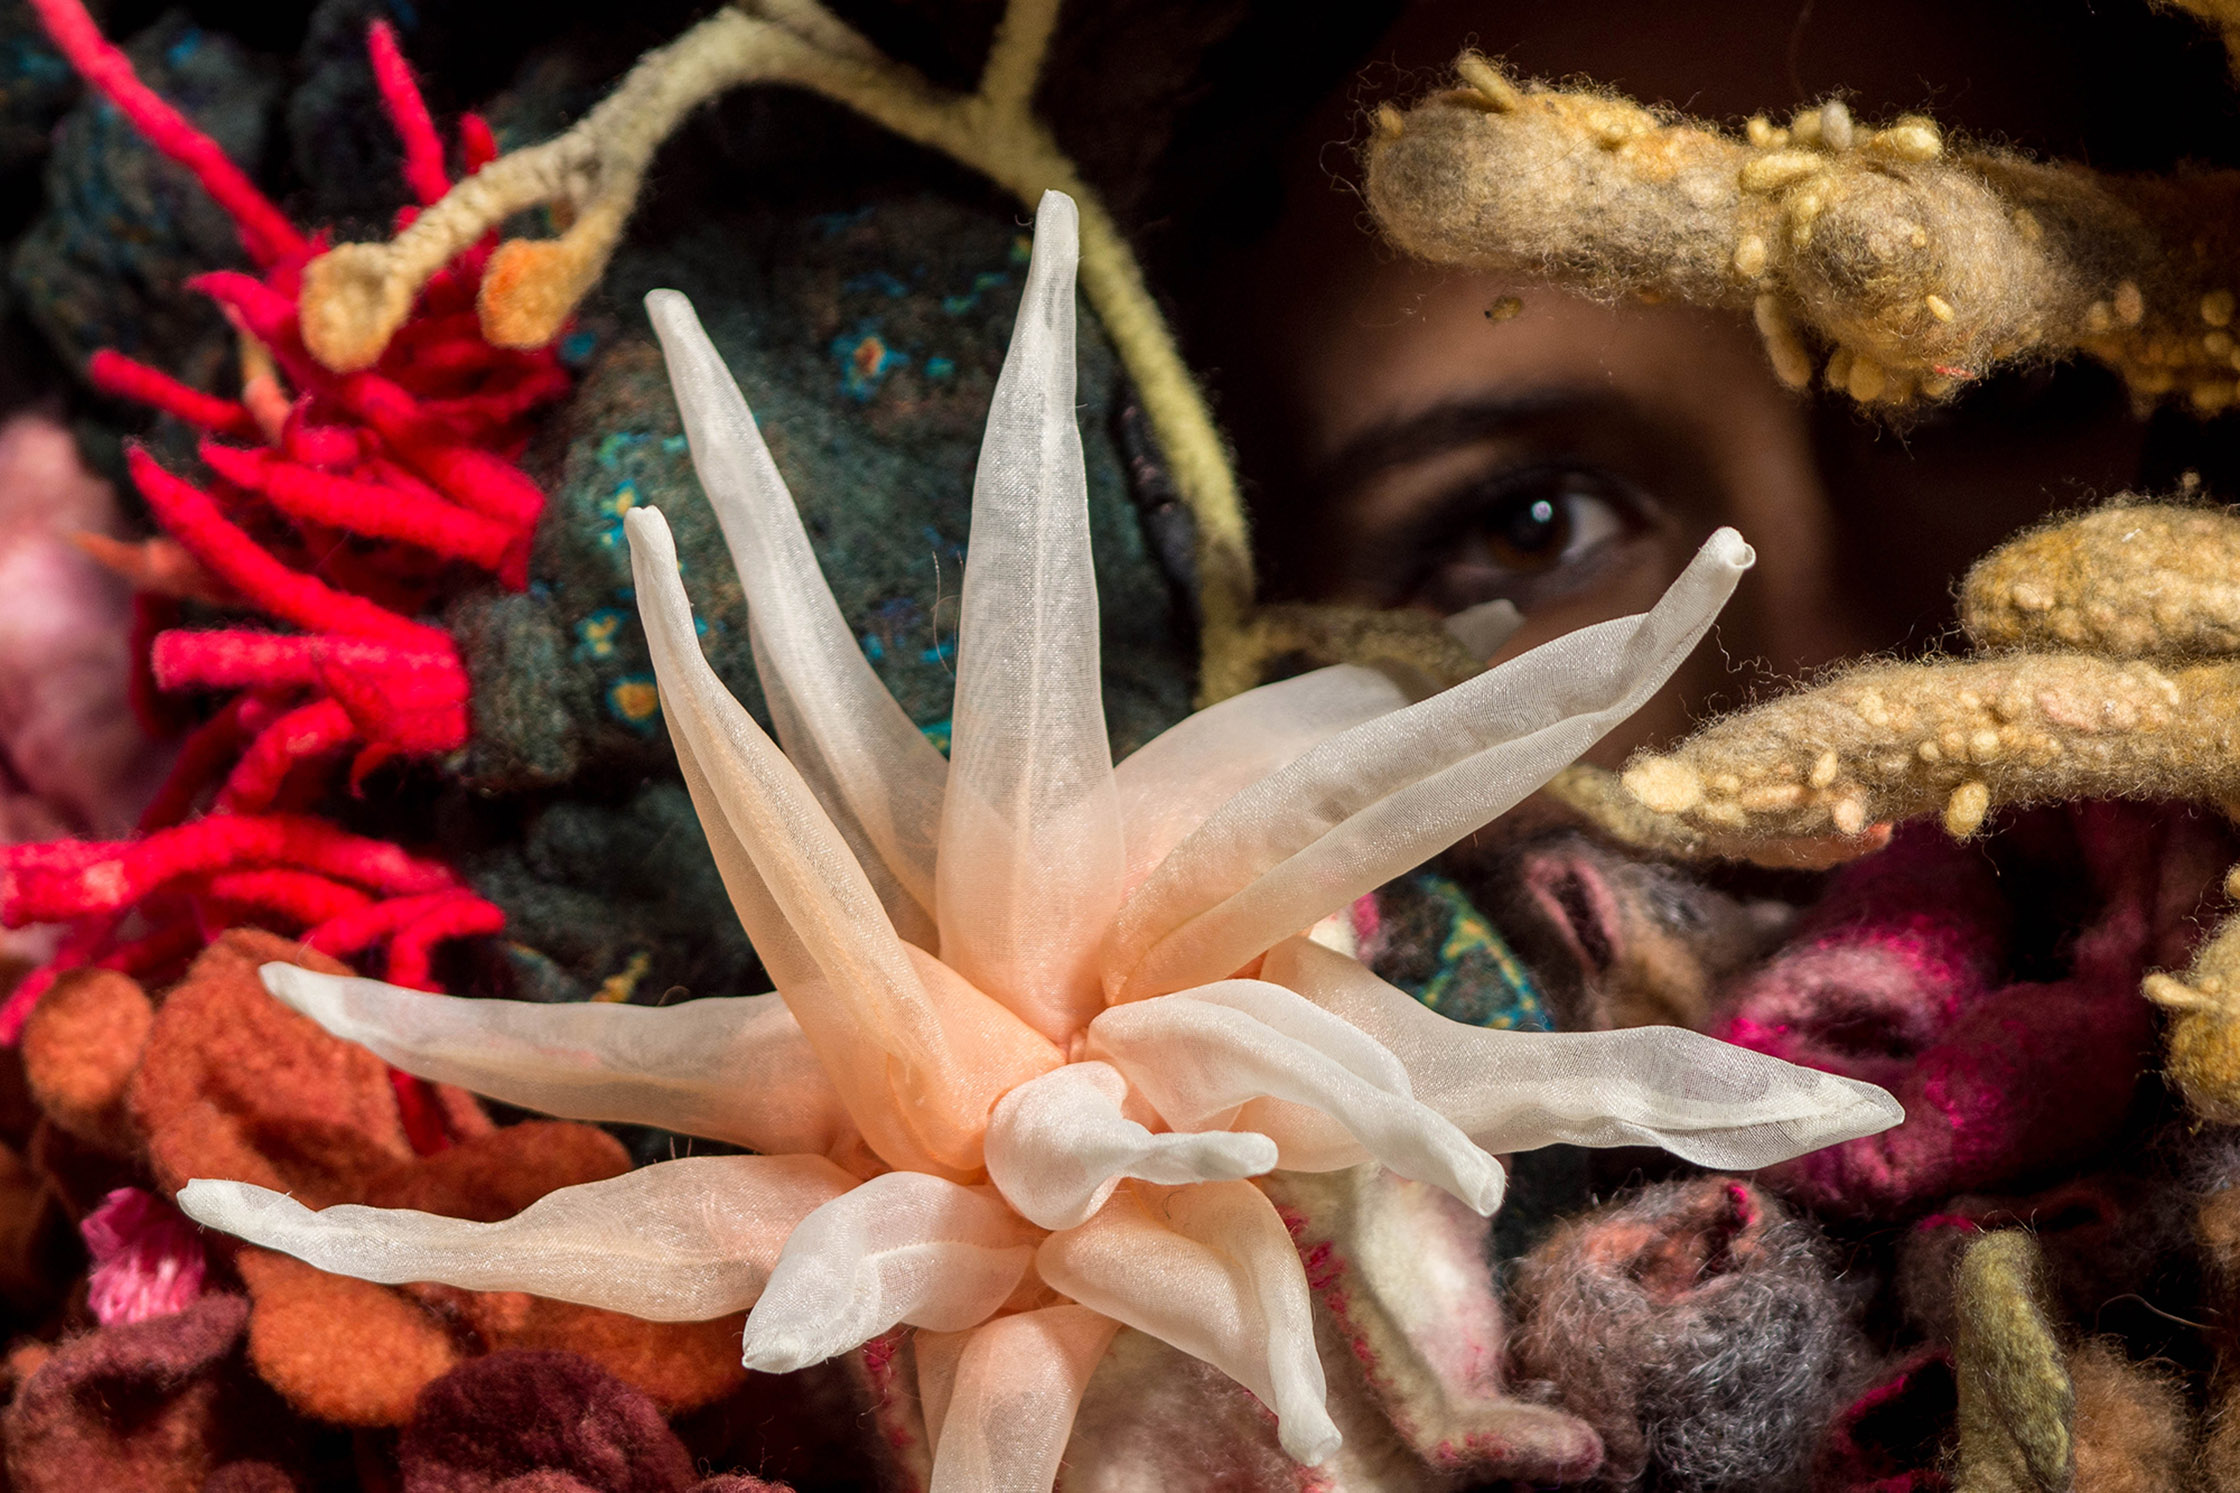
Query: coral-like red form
341,506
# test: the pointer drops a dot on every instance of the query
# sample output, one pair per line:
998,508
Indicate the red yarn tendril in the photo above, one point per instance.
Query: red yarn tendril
340,506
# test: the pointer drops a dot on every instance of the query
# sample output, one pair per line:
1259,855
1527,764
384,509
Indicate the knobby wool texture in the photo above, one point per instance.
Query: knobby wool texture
1892,261
1697,1327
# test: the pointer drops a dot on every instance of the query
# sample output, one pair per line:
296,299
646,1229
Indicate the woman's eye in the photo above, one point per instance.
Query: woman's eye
1527,537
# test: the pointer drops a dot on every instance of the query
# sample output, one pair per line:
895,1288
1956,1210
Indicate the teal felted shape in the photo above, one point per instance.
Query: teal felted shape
867,342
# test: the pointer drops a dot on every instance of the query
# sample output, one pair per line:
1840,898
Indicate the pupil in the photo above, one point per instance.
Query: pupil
1533,527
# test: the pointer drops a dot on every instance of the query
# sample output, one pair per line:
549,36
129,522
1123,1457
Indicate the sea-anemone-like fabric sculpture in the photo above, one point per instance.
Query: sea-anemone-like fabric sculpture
1037,1018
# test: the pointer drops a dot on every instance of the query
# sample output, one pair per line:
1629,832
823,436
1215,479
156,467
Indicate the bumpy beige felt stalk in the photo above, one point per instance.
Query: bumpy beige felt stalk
1890,261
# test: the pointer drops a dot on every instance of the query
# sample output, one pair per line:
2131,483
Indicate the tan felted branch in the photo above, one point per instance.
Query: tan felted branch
1887,260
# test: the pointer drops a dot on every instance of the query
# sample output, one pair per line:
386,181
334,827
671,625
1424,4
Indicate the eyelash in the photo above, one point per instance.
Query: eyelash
1480,544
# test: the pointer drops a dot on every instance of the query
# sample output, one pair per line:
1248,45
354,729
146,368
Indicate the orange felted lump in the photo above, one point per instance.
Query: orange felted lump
79,1052
235,1084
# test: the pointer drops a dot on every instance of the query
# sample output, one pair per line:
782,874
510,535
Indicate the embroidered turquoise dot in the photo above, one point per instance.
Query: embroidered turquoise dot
635,700
595,634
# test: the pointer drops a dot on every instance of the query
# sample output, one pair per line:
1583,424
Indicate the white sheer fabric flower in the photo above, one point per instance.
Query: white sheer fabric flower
1038,1018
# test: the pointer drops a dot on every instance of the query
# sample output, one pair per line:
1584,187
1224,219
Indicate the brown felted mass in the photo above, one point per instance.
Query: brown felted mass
342,1350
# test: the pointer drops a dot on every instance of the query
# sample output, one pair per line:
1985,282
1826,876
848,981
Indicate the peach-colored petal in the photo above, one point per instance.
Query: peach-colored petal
1000,1399
679,1241
1169,786
871,768
1029,872
1211,1270
1059,1144
1366,805
1702,1099
1200,1055
902,1248
734,1069
916,1065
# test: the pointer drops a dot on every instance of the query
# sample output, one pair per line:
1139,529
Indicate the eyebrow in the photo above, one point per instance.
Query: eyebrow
1445,426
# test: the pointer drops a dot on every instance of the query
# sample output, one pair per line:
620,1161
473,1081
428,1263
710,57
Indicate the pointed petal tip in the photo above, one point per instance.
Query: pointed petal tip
215,1204
291,984
668,303
778,1354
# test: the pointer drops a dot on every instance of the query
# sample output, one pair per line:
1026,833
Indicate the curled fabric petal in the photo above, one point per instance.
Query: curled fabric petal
1029,870
1372,802
734,1069
1170,784
1707,1101
1198,1056
903,1247
874,771
1211,1270
679,1241
1059,1144
949,1051
1000,1400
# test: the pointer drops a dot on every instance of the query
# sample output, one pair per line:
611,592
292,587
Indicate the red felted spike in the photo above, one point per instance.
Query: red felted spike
78,948
166,949
356,932
421,1116
44,857
408,112
236,559
267,235
299,896
115,374
236,659
496,407
135,868
267,315
331,448
410,947
478,480
363,508
201,761
299,736
406,699
478,144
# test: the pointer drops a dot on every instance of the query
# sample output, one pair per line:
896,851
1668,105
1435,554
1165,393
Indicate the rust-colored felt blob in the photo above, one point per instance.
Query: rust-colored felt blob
342,1350
80,1048
237,1086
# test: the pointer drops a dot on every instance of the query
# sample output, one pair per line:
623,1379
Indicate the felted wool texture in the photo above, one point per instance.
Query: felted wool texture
2129,580
1697,1327
36,87
162,1406
124,229
1890,1437
2017,1404
2134,1429
1906,973
866,340
1620,940
554,1422
80,1050
1918,264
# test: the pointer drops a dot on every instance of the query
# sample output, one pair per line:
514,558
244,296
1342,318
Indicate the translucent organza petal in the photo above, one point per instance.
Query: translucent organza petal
1000,1401
679,1241
903,1247
913,919
1197,1057
1031,859
1707,1101
1211,1270
1169,786
917,1065
1059,1144
874,771
1366,805
734,1069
